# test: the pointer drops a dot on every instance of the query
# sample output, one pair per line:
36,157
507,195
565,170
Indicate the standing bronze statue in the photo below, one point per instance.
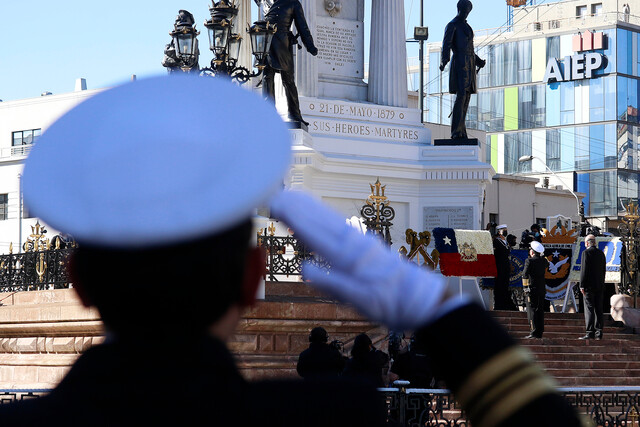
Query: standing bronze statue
458,37
283,13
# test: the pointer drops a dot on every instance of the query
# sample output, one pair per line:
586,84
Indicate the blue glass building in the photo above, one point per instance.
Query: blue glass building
584,126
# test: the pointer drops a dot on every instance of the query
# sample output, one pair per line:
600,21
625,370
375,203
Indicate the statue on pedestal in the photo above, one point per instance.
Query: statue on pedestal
284,13
458,37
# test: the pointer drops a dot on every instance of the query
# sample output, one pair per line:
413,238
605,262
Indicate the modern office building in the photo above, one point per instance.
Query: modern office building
560,84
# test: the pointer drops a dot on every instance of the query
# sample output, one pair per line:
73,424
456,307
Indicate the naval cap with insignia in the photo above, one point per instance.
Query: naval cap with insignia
157,161
537,246
501,227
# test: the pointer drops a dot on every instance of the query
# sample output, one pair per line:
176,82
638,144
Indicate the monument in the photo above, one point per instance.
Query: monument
458,37
364,129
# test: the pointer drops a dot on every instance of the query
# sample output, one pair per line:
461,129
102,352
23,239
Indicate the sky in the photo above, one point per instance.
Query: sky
48,44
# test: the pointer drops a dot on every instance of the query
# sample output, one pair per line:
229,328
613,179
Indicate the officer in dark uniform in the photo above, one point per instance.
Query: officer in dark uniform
501,251
165,361
458,37
320,359
592,274
535,268
284,13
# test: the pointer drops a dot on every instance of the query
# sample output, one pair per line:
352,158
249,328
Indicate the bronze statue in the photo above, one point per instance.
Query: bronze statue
283,13
458,37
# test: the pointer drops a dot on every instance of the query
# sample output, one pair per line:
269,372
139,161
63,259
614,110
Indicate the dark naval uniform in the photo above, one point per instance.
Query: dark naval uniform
534,269
502,298
283,14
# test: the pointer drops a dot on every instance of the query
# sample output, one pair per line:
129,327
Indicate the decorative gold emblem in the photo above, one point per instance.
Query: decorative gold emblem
468,253
417,251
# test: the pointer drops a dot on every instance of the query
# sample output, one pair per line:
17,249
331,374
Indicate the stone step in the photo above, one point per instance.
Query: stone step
596,381
507,321
622,374
603,348
585,357
572,331
591,364
615,345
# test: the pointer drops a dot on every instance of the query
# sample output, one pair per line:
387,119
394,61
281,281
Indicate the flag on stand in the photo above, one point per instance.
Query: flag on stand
465,252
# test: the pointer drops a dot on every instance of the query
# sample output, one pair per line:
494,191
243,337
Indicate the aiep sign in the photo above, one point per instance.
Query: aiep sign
580,65
576,67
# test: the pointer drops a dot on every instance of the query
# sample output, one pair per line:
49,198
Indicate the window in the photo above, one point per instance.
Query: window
4,206
581,11
596,9
25,137
493,217
553,149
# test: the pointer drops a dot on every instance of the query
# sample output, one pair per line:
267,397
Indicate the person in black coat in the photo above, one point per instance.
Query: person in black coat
320,359
501,251
284,13
535,268
458,37
366,362
592,272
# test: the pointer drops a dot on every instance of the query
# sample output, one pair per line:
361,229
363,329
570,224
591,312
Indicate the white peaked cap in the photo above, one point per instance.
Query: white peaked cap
501,226
537,246
157,161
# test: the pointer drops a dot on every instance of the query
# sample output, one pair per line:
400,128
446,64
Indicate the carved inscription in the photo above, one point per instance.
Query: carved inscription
340,47
367,130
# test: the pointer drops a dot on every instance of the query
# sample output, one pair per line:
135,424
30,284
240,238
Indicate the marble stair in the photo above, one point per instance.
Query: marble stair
612,361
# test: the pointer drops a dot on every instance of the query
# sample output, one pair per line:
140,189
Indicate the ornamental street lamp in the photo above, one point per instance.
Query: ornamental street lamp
182,53
225,44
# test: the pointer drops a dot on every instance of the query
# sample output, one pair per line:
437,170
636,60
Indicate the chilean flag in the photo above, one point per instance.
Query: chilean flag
465,252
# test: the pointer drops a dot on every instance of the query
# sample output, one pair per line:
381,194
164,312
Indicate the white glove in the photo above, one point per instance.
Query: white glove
364,272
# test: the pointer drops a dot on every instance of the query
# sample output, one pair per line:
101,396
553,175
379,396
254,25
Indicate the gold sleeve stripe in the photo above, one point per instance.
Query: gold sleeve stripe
490,372
516,400
507,385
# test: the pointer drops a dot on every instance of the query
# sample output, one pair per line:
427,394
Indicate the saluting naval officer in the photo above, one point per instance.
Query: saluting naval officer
162,215
534,270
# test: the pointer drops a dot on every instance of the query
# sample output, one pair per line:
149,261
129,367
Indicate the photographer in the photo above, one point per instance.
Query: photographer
320,359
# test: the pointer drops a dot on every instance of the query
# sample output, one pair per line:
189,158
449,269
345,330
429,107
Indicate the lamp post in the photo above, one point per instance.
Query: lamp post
182,53
524,159
225,44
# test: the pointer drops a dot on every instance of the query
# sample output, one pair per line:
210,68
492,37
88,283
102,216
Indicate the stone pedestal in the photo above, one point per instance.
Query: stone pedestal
350,145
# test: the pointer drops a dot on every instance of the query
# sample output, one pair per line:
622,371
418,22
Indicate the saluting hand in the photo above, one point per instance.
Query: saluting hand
363,272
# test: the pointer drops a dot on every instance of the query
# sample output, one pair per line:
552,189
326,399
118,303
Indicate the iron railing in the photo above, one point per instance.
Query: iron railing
605,406
34,271
285,255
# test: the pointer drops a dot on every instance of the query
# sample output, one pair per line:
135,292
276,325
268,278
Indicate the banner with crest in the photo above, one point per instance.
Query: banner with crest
558,250
612,248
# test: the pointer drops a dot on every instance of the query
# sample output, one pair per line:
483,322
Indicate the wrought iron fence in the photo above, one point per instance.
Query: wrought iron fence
285,255
34,271
9,396
605,407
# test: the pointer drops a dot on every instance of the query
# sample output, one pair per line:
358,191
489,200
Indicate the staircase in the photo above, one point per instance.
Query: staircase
612,361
